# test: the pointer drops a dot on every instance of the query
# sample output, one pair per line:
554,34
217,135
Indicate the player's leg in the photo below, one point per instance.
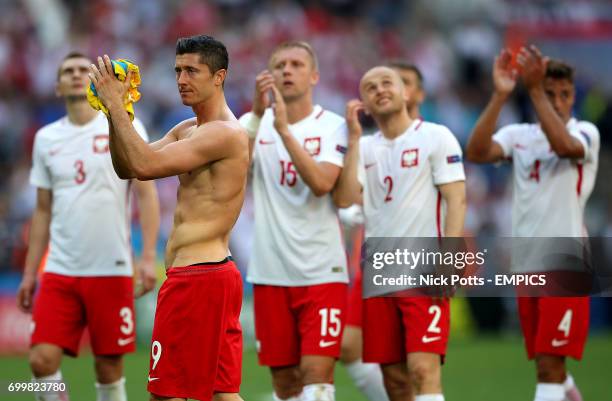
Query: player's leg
366,376
384,344
321,313
427,323
396,380
277,339
425,373
286,382
561,330
57,326
109,306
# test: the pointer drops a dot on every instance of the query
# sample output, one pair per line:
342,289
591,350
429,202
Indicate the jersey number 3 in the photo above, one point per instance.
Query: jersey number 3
79,176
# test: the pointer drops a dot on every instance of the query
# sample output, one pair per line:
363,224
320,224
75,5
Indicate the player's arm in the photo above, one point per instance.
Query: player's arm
37,246
148,205
481,148
533,72
348,189
320,177
173,134
453,195
264,82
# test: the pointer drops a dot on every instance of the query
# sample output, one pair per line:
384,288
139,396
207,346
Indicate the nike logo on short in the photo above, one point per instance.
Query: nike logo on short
125,341
426,339
367,166
559,343
152,378
262,142
325,344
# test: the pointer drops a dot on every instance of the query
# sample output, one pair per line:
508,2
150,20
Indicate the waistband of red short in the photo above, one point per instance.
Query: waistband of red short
203,267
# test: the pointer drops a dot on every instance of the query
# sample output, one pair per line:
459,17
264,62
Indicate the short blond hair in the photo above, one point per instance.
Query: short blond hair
299,44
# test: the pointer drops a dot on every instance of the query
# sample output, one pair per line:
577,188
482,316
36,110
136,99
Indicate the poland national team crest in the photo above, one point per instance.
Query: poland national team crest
410,158
100,143
313,145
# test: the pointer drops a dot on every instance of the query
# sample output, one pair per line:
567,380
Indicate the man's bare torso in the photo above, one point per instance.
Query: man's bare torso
209,200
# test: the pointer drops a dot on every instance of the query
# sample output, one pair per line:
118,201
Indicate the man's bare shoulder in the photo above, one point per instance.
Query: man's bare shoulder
230,132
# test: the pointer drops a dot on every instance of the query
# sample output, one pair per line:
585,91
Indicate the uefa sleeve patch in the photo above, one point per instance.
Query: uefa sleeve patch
341,149
453,159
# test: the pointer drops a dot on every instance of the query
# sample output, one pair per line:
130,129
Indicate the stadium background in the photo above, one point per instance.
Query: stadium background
453,42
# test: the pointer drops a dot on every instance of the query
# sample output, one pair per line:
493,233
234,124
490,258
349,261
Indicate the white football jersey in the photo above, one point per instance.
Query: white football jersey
549,193
400,178
90,217
298,240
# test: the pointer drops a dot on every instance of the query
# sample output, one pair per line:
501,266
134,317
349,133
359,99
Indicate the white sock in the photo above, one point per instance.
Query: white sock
51,396
429,397
549,392
571,390
112,391
368,379
318,392
294,398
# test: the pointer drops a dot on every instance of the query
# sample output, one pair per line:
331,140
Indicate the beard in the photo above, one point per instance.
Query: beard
76,98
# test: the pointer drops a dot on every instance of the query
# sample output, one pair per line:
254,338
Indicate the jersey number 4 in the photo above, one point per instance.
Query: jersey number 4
288,173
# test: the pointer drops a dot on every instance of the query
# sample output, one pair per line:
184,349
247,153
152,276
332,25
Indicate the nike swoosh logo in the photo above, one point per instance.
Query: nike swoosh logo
426,339
559,343
262,142
152,378
367,166
125,341
325,344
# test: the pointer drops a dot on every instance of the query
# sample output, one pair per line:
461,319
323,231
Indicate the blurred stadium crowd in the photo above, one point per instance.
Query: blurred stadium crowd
452,42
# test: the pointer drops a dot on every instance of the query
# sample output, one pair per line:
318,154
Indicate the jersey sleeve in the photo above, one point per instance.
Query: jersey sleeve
505,138
40,176
447,159
140,128
361,172
588,135
334,146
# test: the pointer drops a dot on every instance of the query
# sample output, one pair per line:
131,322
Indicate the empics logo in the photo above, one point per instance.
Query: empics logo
313,145
410,158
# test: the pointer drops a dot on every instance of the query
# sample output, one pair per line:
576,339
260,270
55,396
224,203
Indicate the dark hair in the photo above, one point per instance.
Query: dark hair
557,69
300,44
212,52
72,54
400,65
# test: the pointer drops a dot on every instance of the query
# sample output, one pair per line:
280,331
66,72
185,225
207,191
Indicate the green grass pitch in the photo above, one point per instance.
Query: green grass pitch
477,369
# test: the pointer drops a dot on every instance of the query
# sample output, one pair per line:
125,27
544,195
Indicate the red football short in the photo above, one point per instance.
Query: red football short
295,321
355,302
554,326
196,348
65,305
396,326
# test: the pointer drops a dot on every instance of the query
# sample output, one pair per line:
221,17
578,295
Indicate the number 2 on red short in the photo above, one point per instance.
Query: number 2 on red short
330,322
288,173
80,175
436,311
389,184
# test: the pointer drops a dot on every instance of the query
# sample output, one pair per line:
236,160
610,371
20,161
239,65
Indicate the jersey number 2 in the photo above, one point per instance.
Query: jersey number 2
389,184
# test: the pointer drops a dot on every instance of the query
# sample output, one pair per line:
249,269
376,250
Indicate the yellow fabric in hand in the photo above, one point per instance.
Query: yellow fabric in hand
120,67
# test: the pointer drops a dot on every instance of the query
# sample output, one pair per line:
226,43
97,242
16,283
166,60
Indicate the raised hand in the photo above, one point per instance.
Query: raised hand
110,90
504,74
352,119
533,66
281,123
261,99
